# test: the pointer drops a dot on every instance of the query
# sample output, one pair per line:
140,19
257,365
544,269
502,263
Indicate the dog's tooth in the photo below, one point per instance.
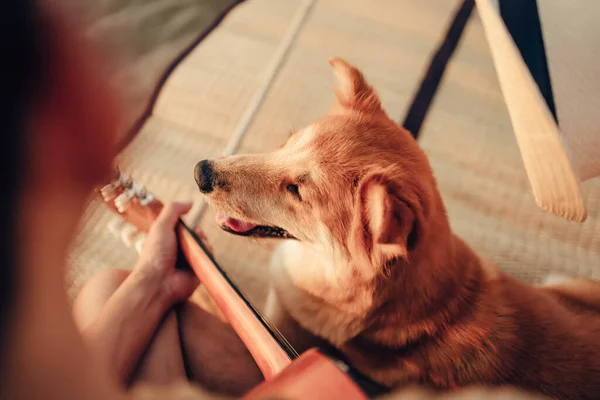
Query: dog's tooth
128,234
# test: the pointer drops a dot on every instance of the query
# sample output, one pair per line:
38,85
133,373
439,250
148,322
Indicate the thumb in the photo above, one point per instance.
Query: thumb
170,214
181,285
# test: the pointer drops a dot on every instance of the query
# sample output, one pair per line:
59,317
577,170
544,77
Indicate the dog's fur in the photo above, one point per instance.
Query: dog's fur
376,271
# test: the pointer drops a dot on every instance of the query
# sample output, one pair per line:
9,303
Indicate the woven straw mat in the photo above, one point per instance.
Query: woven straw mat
467,135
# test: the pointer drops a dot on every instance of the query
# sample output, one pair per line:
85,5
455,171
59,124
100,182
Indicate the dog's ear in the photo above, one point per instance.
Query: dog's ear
388,221
352,91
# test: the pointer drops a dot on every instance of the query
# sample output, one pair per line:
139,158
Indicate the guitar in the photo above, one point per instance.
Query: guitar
315,374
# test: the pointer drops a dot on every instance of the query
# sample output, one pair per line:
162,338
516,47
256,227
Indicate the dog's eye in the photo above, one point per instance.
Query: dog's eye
294,190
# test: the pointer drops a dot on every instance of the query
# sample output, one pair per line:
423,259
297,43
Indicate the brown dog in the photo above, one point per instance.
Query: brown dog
375,270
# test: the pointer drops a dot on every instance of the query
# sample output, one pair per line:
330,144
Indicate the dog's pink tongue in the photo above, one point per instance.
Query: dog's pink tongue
234,224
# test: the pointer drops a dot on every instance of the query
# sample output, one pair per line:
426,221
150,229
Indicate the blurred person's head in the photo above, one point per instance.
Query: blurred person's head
59,129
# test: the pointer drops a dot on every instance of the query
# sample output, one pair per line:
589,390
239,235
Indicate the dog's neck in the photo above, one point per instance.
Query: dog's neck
441,286
441,281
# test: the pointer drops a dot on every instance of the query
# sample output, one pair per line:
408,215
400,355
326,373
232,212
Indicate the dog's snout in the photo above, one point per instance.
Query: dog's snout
205,175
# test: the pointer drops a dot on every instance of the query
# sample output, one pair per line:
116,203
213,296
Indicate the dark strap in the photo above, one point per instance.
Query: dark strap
424,97
523,22
368,386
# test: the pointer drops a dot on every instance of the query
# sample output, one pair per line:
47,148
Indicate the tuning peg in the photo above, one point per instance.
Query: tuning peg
118,179
126,181
108,192
138,190
147,199
143,196
122,201
128,234
139,243
115,226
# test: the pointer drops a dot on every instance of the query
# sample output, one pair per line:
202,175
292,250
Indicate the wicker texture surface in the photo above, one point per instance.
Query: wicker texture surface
467,135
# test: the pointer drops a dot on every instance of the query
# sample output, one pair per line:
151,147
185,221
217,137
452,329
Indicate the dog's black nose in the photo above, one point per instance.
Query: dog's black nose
205,176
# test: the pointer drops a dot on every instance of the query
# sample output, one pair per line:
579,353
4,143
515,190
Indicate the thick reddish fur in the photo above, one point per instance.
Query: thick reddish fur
410,301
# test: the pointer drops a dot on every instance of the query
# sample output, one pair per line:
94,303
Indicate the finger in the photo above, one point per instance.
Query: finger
168,217
202,236
208,247
200,233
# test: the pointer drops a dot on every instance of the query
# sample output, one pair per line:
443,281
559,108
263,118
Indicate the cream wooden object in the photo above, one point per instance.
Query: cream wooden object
554,180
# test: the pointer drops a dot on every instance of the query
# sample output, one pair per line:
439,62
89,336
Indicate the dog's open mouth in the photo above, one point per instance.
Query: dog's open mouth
242,228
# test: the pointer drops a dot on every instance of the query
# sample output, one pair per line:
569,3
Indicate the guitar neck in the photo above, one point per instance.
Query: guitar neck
269,349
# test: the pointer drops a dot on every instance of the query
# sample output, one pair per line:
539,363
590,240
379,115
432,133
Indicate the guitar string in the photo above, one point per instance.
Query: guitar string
273,331
271,73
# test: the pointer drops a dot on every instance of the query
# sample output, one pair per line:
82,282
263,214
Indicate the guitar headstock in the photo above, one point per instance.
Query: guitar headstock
136,207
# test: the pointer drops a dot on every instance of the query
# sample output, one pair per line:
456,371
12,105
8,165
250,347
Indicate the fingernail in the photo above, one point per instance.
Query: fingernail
182,206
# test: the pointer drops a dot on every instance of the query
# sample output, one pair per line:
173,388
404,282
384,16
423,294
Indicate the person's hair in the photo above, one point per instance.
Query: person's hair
19,78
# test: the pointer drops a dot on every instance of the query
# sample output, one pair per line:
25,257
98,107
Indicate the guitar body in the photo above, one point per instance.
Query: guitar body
313,376
316,374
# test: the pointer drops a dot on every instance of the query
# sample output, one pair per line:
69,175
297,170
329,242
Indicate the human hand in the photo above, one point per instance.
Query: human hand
156,264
